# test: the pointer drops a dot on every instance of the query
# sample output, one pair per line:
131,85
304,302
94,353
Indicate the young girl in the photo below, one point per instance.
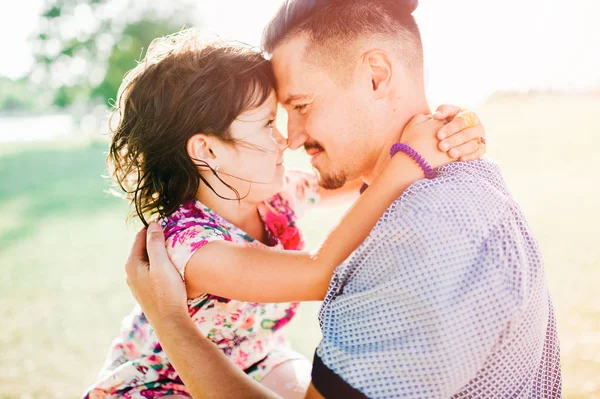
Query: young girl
196,145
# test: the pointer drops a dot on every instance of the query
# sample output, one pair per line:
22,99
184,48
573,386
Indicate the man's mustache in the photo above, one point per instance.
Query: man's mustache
315,145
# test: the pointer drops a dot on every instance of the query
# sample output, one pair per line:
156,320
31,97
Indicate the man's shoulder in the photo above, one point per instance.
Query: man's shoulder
463,192
445,221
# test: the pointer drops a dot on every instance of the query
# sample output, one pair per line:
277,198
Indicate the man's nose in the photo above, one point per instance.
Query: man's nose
296,133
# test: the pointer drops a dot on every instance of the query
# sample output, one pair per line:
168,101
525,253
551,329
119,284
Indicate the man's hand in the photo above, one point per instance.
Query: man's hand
153,279
160,291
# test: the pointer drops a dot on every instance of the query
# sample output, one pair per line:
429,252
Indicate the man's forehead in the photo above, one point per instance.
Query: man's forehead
291,70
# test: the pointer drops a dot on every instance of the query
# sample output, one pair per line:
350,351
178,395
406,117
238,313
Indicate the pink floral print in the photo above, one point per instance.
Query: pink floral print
250,334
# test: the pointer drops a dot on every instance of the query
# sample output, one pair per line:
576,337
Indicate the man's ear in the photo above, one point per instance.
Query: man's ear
199,149
379,65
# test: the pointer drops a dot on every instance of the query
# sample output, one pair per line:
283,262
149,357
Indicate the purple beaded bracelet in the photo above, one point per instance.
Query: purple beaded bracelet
401,147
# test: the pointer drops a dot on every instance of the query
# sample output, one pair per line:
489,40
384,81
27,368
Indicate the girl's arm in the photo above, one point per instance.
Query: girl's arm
267,275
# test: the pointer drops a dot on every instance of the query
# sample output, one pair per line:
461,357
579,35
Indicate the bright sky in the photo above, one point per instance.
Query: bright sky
472,47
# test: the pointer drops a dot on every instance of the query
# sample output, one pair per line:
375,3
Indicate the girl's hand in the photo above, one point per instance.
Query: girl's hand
457,138
421,135
461,141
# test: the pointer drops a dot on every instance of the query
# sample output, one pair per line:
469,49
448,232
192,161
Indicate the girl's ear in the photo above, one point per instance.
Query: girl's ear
199,149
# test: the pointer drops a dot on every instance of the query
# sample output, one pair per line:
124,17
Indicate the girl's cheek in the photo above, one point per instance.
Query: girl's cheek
256,169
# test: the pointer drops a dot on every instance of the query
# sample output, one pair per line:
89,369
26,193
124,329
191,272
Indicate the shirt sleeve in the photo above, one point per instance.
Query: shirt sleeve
301,189
183,244
425,309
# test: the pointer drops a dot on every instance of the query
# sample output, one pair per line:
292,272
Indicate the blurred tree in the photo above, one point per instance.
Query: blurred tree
84,47
18,95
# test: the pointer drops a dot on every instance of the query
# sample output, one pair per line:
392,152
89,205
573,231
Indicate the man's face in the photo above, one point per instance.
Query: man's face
330,121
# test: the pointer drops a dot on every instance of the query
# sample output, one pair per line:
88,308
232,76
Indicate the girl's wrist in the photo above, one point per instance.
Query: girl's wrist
409,152
401,171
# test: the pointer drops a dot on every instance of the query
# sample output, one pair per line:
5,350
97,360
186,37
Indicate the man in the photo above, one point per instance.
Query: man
447,296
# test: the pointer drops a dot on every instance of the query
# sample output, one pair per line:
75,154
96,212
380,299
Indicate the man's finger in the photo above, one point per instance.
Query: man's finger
446,111
138,250
155,245
137,254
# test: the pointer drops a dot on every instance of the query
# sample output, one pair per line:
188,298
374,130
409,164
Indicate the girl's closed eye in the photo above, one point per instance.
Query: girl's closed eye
271,123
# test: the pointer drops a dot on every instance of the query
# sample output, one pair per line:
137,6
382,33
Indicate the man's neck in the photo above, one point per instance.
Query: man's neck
393,135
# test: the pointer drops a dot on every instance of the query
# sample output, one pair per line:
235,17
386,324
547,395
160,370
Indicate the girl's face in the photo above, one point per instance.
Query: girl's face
254,163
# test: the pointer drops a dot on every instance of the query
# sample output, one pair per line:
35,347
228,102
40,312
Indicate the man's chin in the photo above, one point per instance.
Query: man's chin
331,181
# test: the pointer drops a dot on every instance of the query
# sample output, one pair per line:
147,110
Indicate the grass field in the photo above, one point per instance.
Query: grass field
63,242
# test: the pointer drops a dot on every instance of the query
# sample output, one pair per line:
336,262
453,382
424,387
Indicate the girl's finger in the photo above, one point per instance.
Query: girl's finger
474,156
464,120
446,111
458,138
465,149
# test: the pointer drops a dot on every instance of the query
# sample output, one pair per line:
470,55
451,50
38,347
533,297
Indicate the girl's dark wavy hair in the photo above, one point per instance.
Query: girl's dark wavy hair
184,86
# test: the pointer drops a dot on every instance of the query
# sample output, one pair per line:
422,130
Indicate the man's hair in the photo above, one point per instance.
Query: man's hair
334,29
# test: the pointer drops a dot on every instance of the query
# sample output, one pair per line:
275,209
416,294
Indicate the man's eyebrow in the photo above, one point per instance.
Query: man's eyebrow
295,97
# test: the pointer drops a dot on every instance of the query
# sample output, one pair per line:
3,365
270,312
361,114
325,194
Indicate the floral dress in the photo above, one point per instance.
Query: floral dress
250,334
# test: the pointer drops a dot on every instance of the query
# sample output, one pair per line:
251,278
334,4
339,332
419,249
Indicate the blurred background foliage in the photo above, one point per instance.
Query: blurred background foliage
83,48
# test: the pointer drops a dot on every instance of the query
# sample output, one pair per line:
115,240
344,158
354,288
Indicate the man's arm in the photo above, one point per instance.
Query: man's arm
161,293
201,365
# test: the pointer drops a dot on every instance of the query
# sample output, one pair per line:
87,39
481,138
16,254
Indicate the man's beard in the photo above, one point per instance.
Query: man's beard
329,181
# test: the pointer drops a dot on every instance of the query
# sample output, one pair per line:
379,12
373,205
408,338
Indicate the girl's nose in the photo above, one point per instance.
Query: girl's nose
282,142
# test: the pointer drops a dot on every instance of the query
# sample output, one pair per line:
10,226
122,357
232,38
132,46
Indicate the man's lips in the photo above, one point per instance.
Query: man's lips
313,151
315,157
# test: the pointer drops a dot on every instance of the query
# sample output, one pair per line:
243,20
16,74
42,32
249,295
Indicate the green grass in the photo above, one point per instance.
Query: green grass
63,242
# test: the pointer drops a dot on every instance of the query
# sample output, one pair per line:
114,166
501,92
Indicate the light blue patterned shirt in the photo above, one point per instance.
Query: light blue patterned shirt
445,298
